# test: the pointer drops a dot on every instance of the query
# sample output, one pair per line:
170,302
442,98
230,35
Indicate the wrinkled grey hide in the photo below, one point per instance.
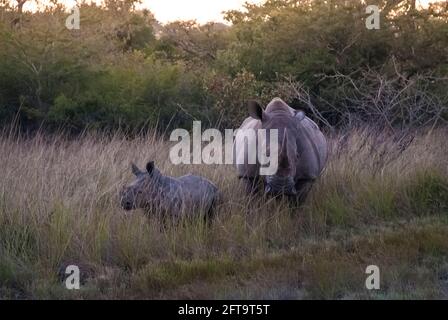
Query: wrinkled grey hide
188,195
302,150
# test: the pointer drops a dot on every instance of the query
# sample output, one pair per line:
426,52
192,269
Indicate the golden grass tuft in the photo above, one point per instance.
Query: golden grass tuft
59,205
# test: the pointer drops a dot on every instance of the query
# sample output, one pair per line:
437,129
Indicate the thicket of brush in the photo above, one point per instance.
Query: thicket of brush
383,200
123,69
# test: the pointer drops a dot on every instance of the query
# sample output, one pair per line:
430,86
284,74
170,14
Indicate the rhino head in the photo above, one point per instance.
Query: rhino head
142,190
281,117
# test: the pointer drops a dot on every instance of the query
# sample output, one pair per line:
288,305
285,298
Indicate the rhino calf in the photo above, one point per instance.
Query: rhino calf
186,196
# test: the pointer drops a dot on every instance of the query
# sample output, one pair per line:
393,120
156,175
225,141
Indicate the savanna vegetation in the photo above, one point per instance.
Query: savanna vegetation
383,200
123,69
77,106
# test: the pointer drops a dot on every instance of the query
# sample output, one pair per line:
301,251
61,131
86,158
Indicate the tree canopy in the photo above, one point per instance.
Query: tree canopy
123,69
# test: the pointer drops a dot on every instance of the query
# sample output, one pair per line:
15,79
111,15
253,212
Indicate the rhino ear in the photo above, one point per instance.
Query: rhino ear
256,111
150,167
135,170
300,115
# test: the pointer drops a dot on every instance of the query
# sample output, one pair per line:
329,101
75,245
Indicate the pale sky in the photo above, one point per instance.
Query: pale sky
200,10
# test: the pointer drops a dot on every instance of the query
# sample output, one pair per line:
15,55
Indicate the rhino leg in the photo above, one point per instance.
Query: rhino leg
210,214
303,187
251,184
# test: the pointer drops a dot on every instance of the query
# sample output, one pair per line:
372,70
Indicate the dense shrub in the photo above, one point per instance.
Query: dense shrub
123,69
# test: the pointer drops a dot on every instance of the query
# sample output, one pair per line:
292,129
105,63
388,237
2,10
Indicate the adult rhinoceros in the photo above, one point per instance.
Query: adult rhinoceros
302,150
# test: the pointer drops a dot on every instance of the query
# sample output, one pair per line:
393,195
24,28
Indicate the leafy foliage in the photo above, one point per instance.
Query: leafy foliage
123,69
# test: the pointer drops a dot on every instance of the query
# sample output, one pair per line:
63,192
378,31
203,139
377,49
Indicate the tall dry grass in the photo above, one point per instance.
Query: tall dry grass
382,200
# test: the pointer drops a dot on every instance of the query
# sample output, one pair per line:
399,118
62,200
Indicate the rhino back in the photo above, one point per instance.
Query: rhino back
278,105
197,191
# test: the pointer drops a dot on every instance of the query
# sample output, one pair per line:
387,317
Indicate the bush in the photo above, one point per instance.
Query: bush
317,55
